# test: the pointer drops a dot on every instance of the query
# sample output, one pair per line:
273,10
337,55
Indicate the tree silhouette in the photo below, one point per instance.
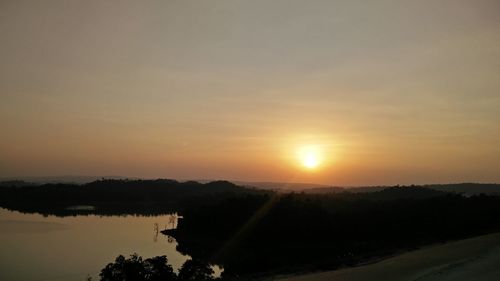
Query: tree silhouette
137,269
158,269
122,269
195,270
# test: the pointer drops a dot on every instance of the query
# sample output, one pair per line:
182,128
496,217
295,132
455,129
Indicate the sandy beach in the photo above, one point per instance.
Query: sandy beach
470,259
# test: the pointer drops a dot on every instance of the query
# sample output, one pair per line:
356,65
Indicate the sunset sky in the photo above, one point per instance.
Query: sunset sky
381,92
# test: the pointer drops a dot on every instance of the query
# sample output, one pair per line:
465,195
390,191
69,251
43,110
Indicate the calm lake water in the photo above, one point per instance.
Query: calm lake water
38,248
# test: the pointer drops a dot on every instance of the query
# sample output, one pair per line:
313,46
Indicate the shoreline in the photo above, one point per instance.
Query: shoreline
443,261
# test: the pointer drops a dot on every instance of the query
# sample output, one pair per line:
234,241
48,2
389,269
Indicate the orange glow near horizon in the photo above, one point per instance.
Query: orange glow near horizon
310,156
332,93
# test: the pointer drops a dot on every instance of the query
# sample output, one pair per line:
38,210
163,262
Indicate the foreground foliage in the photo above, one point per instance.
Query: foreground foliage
135,268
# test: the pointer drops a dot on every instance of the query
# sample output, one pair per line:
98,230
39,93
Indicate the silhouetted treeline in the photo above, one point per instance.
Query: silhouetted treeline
115,197
461,188
153,197
468,188
261,234
135,268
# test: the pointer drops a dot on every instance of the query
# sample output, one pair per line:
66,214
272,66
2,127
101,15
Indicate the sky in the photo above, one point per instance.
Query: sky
377,92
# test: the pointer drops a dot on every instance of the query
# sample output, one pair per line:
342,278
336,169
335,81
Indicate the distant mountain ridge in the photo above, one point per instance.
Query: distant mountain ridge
66,179
281,186
113,196
467,189
462,188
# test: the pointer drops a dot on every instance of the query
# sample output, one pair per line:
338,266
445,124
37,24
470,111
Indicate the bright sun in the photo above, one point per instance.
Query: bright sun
310,161
309,157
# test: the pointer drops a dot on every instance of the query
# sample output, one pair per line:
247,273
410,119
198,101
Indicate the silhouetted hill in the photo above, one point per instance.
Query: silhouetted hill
115,196
409,192
282,186
381,194
463,188
66,179
338,189
15,183
468,188
119,196
279,233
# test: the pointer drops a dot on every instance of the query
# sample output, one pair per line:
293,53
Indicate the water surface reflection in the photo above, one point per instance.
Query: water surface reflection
38,248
